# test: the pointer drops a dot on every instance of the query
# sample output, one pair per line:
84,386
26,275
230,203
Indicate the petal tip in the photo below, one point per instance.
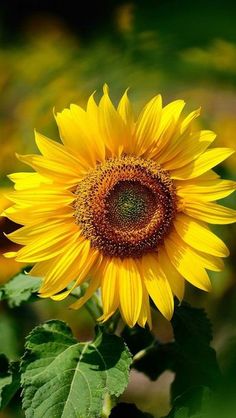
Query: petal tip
105,89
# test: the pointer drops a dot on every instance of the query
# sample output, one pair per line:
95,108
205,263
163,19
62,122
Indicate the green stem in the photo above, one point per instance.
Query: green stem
93,305
142,353
94,308
107,406
111,325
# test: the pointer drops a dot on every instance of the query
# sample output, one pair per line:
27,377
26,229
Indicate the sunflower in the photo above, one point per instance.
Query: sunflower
122,205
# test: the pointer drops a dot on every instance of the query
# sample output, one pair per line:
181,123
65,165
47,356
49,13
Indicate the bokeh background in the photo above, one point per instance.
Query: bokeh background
53,53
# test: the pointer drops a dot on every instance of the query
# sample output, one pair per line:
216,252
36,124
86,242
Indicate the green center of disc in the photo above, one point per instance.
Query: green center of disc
130,204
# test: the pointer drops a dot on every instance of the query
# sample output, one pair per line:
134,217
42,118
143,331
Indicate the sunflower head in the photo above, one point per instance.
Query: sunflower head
122,203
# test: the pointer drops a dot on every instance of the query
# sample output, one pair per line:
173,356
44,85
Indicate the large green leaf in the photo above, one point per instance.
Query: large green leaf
63,378
9,380
20,289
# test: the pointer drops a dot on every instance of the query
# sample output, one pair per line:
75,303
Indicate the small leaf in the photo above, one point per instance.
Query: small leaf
9,380
128,410
191,323
64,378
195,362
19,289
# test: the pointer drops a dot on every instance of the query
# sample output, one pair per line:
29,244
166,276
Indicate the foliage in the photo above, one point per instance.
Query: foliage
9,380
190,357
20,289
62,378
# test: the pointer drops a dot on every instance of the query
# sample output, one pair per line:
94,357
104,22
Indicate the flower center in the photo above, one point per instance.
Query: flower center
130,204
126,206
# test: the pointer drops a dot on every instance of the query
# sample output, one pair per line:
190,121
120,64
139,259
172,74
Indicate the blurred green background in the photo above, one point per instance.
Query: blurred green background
52,55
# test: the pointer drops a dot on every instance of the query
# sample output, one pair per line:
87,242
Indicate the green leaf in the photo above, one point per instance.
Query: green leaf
9,380
63,378
190,324
9,341
19,289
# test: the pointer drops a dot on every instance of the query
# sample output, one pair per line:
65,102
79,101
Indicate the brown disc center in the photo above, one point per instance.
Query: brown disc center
125,206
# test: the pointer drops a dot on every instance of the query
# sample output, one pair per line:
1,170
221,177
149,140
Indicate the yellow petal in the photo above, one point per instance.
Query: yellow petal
207,190
62,295
93,286
210,212
94,129
208,261
23,215
130,291
203,163
209,175
110,288
82,266
184,261
67,266
198,236
27,234
49,246
157,285
147,125
94,148
28,180
188,149
74,264
111,125
57,152
175,279
186,124
165,136
73,127
10,254
145,313
126,112
170,117
41,268
51,195
57,171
